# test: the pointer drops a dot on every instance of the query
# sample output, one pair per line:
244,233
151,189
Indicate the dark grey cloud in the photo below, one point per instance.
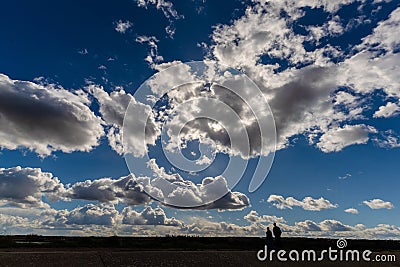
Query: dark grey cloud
25,187
134,191
231,201
125,189
46,118
307,94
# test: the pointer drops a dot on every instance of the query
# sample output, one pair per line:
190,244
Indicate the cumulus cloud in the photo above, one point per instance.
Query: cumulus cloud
299,98
368,71
230,201
351,210
112,108
378,204
219,117
330,28
308,203
148,216
334,225
253,217
102,214
338,138
303,86
389,110
326,225
294,103
308,225
25,187
382,37
307,96
106,219
123,26
8,222
112,105
46,118
185,193
106,215
129,189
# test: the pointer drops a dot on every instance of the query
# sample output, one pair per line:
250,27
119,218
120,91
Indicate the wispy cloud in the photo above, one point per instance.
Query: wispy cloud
168,10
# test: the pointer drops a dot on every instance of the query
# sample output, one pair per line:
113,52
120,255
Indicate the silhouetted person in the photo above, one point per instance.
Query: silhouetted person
277,234
269,240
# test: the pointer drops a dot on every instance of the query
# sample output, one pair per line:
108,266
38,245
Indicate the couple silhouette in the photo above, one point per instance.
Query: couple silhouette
277,234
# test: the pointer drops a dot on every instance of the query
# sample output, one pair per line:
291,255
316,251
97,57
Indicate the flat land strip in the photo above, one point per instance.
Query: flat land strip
170,251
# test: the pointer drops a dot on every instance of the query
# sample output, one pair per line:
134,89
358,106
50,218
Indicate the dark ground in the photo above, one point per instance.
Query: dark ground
168,251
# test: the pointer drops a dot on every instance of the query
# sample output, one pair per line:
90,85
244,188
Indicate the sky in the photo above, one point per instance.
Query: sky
78,80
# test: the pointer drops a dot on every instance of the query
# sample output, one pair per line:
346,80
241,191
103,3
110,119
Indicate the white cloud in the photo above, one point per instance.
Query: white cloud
102,214
351,210
25,187
113,106
368,71
325,228
148,216
123,26
390,110
388,139
153,58
300,99
46,118
308,203
378,204
105,219
128,189
10,221
330,28
347,175
382,36
334,225
304,97
196,110
336,139
166,7
308,225
253,217
89,217
197,196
